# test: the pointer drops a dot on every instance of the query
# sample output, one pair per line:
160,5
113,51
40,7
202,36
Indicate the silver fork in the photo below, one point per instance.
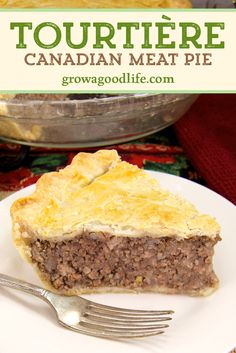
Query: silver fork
87,317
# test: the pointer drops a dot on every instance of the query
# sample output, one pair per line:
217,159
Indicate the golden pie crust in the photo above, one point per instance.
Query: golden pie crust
96,3
98,191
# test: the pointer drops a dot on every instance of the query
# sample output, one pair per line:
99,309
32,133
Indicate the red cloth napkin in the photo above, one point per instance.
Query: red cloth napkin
208,134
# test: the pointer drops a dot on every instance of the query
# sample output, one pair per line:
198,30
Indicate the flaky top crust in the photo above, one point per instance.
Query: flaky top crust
98,3
100,193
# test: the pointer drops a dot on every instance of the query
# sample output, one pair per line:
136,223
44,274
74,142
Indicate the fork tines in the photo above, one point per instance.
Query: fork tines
111,322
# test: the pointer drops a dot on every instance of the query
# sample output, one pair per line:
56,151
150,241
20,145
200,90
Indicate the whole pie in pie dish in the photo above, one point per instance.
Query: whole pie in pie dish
87,120
104,225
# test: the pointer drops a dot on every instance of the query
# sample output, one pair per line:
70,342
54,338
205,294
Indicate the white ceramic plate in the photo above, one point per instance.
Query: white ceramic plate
200,325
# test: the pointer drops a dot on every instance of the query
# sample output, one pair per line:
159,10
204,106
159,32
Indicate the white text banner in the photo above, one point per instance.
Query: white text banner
119,51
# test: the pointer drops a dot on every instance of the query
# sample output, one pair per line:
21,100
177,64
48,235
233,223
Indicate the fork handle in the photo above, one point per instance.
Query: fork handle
11,282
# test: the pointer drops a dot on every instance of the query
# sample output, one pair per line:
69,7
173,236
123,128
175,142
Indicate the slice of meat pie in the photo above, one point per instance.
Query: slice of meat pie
103,225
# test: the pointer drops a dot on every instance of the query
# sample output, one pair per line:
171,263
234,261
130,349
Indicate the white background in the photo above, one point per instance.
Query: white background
16,75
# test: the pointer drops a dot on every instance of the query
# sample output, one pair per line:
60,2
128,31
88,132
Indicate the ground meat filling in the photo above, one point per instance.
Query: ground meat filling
96,259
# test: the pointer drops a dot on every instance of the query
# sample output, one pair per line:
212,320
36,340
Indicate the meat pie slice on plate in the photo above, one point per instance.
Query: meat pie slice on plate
103,225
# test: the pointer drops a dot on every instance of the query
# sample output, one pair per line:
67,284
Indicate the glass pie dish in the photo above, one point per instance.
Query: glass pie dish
89,122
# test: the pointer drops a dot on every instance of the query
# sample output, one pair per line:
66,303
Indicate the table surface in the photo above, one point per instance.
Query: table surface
159,152
213,3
